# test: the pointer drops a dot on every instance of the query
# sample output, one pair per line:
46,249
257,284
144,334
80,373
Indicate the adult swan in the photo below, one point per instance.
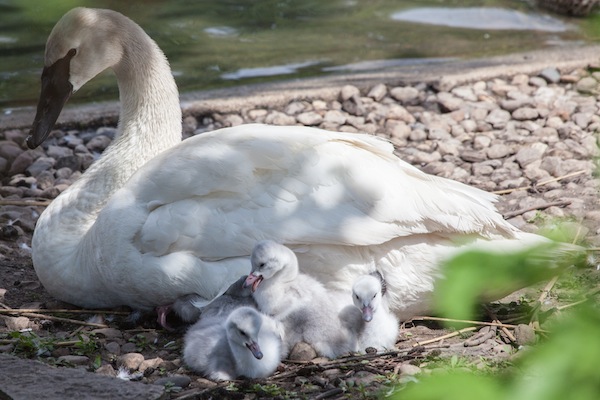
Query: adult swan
156,218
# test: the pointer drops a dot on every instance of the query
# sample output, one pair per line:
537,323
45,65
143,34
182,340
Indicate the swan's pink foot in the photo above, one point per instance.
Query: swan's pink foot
162,312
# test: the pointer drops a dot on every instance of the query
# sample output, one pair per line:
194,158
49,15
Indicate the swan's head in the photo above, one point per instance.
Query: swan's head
269,259
366,295
83,43
243,326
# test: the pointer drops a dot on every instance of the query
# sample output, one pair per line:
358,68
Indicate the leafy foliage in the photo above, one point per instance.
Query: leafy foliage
563,367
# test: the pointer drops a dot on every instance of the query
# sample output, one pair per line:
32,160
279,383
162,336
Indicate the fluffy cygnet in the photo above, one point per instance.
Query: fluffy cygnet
246,344
380,326
299,301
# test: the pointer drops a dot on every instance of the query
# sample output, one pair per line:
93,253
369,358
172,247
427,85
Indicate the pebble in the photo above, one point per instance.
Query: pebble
74,360
131,361
302,352
525,335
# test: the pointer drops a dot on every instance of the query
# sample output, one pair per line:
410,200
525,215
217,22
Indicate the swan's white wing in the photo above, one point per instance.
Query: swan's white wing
218,193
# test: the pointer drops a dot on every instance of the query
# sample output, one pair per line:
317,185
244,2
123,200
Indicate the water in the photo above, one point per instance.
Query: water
213,44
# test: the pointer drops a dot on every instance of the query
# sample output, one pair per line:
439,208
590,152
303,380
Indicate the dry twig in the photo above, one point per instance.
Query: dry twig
506,191
513,214
449,335
25,202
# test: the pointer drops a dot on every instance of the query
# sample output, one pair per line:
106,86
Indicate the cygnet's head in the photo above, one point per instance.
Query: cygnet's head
243,326
366,294
269,258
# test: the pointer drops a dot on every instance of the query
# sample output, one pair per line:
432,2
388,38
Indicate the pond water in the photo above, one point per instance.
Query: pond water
213,44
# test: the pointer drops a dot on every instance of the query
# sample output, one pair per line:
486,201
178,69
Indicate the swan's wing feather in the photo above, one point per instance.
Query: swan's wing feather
219,193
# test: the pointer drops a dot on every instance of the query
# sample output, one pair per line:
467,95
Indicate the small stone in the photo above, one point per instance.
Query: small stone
498,151
498,118
405,95
525,335
348,92
418,135
279,118
21,163
551,75
257,114
537,81
109,333
16,323
151,363
473,156
74,360
128,347
189,124
309,118
107,370
113,348
174,380
131,361
481,142
527,155
98,143
335,117
377,92
448,102
525,113
302,352
587,85
409,369
232,120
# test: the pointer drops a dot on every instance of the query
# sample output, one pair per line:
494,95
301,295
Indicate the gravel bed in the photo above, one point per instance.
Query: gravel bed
530,138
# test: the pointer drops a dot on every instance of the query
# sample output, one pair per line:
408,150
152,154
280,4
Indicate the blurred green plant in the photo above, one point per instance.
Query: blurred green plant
562,367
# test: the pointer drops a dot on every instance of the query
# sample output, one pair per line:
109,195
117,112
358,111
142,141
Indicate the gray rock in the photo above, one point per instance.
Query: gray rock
108,333
465,93
354,106
40,165
550,75
335,117
59,151
378,92
405,95
498,118
309,118
107,131
537,81
98,143
473,156
527,155
131,361
9,150
302,352
587,85
525,335
348,92
113,348
409,369
418,135
448,102
74,360
525,113
499,150
28,379
279,118
21,163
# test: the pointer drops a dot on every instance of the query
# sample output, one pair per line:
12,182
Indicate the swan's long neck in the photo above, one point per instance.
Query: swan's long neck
150,122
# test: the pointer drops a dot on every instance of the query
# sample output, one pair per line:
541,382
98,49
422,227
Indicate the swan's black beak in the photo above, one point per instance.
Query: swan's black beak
56,90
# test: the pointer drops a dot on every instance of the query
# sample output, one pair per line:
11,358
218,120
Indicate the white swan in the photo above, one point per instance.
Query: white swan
155,219
380,327
244,344
301,303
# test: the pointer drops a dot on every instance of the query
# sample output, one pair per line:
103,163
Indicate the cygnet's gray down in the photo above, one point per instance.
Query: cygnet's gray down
245,344
190,307
379,326
299,301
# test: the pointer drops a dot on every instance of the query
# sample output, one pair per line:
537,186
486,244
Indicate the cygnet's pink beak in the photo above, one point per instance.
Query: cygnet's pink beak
367,312
255,349
253,281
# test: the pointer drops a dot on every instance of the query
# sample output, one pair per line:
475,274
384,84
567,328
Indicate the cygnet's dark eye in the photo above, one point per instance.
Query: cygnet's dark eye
72,53
262,265
356,296
243,333
375,295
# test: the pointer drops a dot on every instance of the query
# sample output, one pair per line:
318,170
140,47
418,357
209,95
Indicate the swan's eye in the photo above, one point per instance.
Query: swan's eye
72,53
243,333
375,295
262,265
356,296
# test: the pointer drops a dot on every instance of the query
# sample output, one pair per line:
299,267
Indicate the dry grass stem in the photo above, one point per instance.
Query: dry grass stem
506,191
513,214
